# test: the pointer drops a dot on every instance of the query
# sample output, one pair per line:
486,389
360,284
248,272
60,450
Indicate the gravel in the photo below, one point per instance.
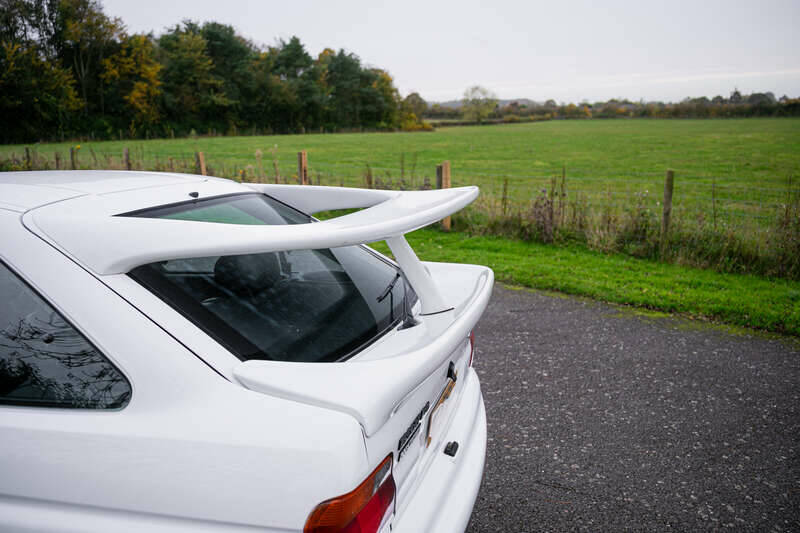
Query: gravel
603,419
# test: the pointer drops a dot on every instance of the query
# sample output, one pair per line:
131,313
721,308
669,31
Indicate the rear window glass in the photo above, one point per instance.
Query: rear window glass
300,305
245,209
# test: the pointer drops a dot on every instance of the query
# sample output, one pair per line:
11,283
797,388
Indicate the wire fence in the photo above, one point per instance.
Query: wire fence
719,200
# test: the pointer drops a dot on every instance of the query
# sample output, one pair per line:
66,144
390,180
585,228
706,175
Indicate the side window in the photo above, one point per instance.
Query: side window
44,361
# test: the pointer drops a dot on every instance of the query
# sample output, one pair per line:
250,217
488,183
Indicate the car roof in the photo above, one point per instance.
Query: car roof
22,191
76,211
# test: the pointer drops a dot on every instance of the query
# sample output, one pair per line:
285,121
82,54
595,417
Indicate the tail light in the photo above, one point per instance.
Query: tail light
363,510
471,346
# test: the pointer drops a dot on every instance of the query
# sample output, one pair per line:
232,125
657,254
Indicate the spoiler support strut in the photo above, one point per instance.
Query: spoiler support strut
429,296
315,199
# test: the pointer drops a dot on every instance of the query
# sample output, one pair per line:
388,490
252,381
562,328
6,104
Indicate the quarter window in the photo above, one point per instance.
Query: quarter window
44,361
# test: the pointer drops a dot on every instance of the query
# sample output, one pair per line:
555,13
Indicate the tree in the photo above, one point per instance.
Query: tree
295,67
478,103
37,97
193,96
388,103
231,57
292,60
132,74
414,103
32,23
761,99
88,37
344,80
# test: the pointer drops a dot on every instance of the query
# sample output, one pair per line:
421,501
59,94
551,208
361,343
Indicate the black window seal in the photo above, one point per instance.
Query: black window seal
148,212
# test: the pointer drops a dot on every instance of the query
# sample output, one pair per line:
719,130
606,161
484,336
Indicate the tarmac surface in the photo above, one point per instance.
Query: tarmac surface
603,419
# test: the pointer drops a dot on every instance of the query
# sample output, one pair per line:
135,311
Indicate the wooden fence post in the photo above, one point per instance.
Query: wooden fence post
126,158
562,196
504,201
714,200
667,211
28,163
58,160
443,182
302,167
200,161
261,175
73,158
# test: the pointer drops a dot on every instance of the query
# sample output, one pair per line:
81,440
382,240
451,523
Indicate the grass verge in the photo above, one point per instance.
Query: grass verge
742,300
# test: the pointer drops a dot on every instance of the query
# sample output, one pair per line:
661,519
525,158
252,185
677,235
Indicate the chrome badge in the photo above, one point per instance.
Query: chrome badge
411,432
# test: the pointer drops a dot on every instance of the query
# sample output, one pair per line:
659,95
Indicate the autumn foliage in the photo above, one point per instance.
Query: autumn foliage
69,70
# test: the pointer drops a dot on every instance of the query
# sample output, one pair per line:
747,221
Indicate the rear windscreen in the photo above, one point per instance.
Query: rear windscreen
299,305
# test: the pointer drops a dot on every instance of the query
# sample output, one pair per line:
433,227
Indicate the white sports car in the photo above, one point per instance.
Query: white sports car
182,353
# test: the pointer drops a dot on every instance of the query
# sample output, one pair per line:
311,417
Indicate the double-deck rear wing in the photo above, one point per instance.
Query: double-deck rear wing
91,229
388,216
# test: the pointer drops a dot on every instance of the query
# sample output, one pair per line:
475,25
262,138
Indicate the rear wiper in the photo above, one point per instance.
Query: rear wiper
408,317
389,288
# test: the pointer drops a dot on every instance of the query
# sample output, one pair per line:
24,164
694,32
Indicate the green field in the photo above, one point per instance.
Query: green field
750,161
736,173
753,150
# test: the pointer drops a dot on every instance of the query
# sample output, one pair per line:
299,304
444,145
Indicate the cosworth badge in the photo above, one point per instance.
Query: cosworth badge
412,431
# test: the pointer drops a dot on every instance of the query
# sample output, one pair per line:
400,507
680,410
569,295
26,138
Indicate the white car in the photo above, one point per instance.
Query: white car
182,353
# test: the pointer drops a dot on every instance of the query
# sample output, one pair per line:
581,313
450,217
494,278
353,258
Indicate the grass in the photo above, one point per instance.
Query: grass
741,300
749,161
614,180
747,152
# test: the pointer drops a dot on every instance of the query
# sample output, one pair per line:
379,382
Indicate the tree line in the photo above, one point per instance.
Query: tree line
69,70
480,105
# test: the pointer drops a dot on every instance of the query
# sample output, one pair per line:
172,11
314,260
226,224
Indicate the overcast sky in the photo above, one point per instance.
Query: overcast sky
564,50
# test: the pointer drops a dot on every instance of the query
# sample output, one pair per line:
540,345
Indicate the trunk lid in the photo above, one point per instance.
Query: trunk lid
405,388
389,378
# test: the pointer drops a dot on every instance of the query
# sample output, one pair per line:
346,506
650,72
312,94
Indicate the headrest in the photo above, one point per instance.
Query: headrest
248,274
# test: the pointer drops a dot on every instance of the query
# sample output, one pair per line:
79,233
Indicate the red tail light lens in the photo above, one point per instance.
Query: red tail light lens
363,510
471,346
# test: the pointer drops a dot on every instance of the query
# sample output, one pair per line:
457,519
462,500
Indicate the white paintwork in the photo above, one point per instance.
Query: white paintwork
147,240
443,497
190,445
313,198
195,449
121,243
369,390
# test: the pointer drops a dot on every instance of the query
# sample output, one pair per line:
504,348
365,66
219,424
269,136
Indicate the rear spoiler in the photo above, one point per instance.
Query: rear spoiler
389,216
372,390
117,244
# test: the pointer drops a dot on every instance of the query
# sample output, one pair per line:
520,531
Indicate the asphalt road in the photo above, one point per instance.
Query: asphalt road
602,420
